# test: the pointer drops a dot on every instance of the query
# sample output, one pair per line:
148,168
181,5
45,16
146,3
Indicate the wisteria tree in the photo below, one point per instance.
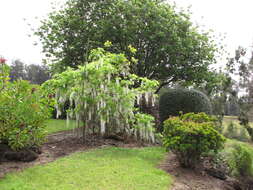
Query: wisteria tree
103,97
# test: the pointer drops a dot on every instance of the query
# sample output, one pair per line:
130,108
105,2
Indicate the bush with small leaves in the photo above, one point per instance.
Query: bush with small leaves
23,112
173,101
190,136
241,162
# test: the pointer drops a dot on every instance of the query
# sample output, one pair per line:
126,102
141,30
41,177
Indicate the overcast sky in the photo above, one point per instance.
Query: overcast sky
230,17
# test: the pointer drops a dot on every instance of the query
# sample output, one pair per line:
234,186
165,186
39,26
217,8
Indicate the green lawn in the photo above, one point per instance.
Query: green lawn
232,142
228,119
238,128
100,169
57,125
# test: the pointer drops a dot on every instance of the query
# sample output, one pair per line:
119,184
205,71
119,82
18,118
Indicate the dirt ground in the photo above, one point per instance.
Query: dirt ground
187,179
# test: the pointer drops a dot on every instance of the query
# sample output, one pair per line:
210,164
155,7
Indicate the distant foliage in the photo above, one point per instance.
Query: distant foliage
23,112
232,107
241,65
36,74
103,97
173,101
190,136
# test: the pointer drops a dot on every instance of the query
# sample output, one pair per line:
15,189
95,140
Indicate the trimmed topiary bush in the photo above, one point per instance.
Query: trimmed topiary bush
190,136
173,101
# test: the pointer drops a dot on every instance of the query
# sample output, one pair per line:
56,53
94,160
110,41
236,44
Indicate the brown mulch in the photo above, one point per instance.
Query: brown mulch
187,179
62,144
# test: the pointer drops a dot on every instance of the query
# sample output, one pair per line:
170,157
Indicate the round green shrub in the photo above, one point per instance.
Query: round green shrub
190,136
173,101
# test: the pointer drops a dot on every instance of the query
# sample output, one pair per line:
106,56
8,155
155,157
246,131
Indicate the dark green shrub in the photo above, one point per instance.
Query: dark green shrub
190,136
172,101
23,112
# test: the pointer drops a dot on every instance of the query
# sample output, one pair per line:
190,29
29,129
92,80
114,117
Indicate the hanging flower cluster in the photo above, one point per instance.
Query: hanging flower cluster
103,95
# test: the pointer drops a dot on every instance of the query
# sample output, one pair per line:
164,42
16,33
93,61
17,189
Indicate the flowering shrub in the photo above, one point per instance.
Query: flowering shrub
103,95
23,112
190,136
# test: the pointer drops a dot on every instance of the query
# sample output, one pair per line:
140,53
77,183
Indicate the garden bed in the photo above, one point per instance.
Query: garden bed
188,179
62,144
113,168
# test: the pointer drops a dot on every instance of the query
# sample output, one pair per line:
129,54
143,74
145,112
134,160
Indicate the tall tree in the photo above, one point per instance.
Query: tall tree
169,47
17,70
241,66
37,74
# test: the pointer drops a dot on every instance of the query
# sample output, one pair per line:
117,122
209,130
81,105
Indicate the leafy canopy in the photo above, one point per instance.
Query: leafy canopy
169,47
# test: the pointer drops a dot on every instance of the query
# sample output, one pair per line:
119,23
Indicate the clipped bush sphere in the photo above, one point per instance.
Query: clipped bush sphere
173,101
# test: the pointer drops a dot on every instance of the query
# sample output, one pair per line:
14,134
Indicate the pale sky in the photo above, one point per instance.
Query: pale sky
230,17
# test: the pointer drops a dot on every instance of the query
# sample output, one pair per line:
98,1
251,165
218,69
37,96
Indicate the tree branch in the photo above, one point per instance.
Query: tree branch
162,85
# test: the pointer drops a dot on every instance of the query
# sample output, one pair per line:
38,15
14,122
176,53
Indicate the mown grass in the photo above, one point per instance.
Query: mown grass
238,128
230,143
228,119
100,169
57,125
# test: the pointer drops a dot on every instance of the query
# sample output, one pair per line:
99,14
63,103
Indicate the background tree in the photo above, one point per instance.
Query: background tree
169,47
36,74
220,90
17,70
241,66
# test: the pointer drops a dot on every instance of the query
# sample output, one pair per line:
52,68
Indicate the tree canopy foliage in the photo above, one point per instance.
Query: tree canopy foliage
169,47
